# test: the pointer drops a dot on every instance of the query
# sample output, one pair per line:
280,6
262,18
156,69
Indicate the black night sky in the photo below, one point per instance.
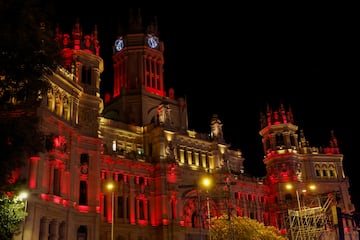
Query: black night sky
233,61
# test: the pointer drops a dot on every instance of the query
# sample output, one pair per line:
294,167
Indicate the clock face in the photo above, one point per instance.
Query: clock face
153,41
119,44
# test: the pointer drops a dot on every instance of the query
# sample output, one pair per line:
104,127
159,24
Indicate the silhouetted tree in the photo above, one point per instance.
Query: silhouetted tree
28,52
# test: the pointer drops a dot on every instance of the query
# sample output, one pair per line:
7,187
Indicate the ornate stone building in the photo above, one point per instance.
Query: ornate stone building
138,139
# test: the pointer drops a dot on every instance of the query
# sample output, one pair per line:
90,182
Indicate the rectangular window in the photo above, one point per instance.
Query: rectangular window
120,177
120,207
148,209
141,210
86,75
105,206
56,187
83,193
173,209
127,208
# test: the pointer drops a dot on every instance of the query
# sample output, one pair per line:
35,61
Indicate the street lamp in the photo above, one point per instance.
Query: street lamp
111,187
228,184
206,182
23,197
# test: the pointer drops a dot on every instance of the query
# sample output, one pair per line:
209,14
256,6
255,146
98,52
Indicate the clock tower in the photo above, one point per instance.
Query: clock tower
138,59
139,96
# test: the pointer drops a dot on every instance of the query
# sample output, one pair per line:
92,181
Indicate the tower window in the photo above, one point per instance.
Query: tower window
293,140
279,140
86,75
267,145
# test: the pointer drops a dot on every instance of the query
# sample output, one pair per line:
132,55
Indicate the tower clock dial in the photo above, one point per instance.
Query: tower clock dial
119,44
153,41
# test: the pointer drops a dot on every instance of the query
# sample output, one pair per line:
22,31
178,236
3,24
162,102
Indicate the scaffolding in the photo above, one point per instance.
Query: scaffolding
309,222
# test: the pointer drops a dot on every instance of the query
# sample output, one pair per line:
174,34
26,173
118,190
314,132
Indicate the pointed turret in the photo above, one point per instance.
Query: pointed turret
333,147
216,129
135,22
279,133
76,35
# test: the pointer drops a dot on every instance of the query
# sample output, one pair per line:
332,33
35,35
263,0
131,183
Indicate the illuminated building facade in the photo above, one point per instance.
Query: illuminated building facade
138,139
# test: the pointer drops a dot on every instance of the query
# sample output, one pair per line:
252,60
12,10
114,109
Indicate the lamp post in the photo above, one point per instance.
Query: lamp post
23,197
208,210
199,213
206,182
110,186
228,184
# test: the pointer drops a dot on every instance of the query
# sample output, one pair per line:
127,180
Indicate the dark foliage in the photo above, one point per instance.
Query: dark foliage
19,140
28,53
12,213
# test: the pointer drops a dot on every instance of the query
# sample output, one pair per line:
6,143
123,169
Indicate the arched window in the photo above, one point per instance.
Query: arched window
86,75
317,170
332,171
82,233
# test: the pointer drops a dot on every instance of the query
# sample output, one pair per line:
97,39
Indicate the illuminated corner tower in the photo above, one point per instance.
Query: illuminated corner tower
316,175
279,138
63,182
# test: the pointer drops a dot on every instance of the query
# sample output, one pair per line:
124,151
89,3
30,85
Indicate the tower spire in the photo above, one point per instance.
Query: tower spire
135,22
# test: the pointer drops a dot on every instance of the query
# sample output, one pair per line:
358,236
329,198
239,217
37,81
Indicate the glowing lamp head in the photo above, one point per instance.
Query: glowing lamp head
110,186
312,187
206,182
289,186
23,195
